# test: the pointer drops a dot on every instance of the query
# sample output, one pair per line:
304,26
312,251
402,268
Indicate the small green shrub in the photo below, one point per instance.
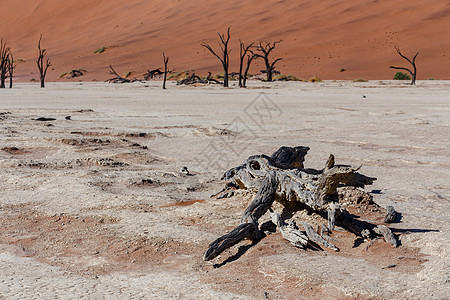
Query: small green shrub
63,75
314,79
342,70
100,50
401,76
360,80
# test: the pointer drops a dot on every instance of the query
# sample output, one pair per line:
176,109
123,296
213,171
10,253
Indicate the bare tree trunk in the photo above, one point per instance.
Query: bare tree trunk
4,63
225,58
265,52
166,61
242,53
11,68
249,62
412,62
43,67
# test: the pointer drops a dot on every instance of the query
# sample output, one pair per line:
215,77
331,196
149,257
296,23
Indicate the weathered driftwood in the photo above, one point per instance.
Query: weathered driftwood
289,231
387,234
317,238
243,231
283,178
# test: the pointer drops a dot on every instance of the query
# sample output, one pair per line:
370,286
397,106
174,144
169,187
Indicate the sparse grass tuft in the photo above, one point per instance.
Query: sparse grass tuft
283,77
314,79
181,75
360,80
401,76
342,70
100,50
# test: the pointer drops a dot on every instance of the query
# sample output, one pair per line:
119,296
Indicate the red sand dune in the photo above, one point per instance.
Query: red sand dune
319,37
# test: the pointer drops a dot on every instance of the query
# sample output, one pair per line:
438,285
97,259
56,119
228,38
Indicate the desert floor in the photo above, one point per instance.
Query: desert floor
93,206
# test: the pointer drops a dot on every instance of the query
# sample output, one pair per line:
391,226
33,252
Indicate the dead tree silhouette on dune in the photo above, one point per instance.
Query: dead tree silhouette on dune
224,56
412,62
42,65
166,61
4,63
242,53
265,51
250,58
11,67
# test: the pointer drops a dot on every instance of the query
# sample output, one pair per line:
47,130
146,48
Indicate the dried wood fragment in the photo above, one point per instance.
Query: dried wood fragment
117,78
243,231
332,211
317,238
289,231
387,234
391,214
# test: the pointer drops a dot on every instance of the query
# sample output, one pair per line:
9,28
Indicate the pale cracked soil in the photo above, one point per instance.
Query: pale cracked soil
94,207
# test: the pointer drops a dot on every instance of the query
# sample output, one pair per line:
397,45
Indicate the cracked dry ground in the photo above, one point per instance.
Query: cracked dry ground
97,212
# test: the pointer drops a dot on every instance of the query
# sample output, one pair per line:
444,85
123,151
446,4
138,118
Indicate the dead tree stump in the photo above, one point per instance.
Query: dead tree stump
283,178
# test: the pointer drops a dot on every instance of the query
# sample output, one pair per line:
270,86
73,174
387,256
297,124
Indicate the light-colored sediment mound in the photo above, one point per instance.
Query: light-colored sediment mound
319,37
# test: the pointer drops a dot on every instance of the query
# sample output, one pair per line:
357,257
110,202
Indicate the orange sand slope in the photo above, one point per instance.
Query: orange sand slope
319,37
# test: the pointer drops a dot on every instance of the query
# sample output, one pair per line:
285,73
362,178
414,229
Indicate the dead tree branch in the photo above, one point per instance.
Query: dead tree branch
117,78
4,63
224,56
166,61
265,51
153,73
412,62
11,68
42,66
242,53
250,58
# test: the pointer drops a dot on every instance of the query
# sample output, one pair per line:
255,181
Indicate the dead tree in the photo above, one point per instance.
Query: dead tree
11,67
166,61
42,66
117,78
282,177
242,53
412,62
265,51
152,74
225,54
193,79
212,80
4,63
250,58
